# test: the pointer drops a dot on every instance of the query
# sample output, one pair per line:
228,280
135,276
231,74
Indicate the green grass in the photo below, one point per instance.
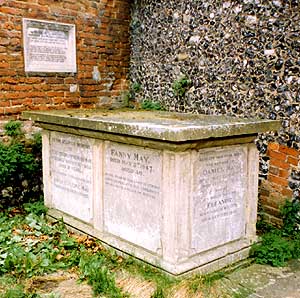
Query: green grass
199,281
149,273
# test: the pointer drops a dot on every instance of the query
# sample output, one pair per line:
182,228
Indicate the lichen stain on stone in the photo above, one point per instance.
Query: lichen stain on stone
173,127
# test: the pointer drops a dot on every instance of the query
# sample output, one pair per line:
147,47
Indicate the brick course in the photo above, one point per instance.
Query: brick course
102,33
283,181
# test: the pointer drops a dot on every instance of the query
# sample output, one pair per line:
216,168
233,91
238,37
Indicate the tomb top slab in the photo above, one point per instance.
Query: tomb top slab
168,126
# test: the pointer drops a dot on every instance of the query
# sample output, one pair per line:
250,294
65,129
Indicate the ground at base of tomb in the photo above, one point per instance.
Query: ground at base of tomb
39,259
254,281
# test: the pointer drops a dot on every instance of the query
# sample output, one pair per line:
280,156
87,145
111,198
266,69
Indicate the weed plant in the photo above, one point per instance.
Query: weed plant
31,246
95,270
278,245
159,293
129,97
181,86
150,105
14,129
20,167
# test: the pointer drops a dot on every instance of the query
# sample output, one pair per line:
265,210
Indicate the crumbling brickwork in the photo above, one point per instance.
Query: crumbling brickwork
283,180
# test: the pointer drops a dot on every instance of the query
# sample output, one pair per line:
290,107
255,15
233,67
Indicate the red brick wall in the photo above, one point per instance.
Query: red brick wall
283,180
102,41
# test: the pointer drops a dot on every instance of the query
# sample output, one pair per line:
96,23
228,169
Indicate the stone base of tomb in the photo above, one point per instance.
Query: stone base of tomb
201,263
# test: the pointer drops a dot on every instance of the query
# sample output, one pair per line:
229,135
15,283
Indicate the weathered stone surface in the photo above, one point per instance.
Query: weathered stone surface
152,143
176,127
71,174
133,194
219,190
264,281
179,210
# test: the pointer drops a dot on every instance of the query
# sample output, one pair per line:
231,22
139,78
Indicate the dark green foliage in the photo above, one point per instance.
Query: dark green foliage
25,253
13,129
273,250
280,245
150,105
37,208
262,225
20,167
291,218
181,86
296,247
136,87
36,145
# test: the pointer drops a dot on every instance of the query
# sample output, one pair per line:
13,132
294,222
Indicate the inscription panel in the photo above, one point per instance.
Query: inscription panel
49,46
71,174
132,194
218,200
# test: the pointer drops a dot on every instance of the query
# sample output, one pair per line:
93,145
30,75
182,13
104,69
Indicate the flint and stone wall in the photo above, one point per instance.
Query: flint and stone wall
102,30
243,59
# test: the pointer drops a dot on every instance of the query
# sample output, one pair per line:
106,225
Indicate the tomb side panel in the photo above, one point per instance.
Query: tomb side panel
71,174
132,194
218,203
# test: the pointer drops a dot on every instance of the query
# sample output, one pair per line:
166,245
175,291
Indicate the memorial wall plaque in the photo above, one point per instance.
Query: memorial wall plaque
132,194
49,46
71,174
218,202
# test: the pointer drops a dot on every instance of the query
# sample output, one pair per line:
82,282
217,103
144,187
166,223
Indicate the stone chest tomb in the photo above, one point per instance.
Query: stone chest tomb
176,190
